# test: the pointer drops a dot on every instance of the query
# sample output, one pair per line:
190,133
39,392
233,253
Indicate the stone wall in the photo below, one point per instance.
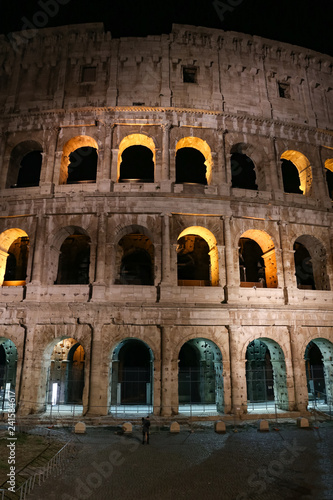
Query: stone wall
220,93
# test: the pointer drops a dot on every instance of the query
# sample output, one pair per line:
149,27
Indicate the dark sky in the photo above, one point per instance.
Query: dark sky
303,22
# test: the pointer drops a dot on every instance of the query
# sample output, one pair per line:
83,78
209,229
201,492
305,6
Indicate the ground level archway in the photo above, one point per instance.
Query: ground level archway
65,381
131,375
266,378
8,365
319,372
200,375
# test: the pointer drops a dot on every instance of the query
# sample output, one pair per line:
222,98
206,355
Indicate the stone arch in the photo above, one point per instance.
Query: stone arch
303,167
9,238
25,164
201,146
8,366
310,260
266,376
58,239
210,240
200,373
329,176
64,364
132,373
267,270
319,370
134,256
74,158
142,141
243,168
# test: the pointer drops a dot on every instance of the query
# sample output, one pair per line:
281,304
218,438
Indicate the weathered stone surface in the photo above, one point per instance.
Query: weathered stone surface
80,428
263,426
127,427
303,422
220,427
174,427
69,90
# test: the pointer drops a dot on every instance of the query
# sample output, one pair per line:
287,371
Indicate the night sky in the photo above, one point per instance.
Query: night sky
302,22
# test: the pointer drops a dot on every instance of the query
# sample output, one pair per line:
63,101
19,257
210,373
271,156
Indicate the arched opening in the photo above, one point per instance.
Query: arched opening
74,260
79,161
329,176
290,177
296,173
14,253
193,261
137,165
136,256
197,258
132,376
190,166
257,260
243,174
17,261
266,378
193,161
8,364
200,376
25,165
66,374
310,264
82,165
136,159
319,373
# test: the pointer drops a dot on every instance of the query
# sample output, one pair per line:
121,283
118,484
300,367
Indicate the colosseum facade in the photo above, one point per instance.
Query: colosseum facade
166,224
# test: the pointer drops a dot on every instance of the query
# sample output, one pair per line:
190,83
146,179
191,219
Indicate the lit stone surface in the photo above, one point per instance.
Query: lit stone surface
263,426
174,427
216,274
220,427
80,428
303,422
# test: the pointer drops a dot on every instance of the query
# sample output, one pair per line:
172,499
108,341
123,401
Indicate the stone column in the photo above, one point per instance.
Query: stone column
4,161
39,250
167,373
238,372
99,388
101,248
166,247
229,259
46,177
287,259
165,174
299,372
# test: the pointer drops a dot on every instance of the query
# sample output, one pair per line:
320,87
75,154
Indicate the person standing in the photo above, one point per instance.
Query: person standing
145,429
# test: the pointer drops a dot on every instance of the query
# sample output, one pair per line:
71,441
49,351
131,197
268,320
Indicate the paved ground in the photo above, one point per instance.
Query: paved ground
289,463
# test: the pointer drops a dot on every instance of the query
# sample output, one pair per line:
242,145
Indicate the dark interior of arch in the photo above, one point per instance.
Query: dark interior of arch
190,166
29,171
136,268
251,263
303,267
329,180
74,260
134,372
137,262
8,360
290,176
17,260
75,377
315,371
259,372
137,165
200,378
193,261
82,165
243,173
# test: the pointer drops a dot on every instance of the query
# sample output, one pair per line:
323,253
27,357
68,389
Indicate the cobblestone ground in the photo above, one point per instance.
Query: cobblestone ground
289,463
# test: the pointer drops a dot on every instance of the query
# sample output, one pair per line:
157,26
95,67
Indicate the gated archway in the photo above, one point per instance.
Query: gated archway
8,362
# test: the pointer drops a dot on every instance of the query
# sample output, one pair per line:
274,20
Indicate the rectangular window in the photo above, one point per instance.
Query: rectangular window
190,74
284,90
88,74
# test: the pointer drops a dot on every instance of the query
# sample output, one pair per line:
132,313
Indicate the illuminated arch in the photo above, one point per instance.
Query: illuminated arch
202,146
213,251
304,169
265,242
80,141
6,239
135,140
329,176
